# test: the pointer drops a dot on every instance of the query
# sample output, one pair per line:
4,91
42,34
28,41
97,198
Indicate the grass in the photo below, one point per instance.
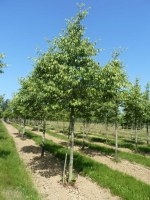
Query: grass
124,143
119,183
15,182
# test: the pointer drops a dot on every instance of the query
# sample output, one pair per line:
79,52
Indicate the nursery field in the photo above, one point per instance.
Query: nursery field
75,129
99,129
128,178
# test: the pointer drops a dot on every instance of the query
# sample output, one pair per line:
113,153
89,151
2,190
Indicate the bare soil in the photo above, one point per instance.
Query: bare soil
46,174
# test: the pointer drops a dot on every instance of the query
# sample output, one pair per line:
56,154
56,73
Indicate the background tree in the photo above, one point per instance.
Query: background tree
113,90
147,110
134,107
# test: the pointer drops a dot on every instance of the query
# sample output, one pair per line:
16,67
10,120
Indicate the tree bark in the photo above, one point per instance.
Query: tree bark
147,133
38,126
106,123
116,136
71,145
136,137
131,131
24,126
19,126
65,163
43,139
116,140
83,135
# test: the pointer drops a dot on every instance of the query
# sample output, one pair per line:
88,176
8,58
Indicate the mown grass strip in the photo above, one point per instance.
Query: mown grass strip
15,182
124,143
119,183
132,157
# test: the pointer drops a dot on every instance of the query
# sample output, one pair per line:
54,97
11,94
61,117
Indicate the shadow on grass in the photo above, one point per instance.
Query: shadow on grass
95,149
2,137
132,141
64,143
97,139
4,154
144,149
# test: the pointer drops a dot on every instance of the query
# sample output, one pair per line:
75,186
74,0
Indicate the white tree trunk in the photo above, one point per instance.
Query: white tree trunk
71,145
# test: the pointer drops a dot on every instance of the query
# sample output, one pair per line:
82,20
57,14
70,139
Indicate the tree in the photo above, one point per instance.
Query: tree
134,107
113,91
78,70
1,103
146,96
2,64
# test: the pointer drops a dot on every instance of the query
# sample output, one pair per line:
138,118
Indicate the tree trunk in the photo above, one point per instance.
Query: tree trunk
83,135
24,126
131,131
116,135
65,163
43,139
38,126
147,134
63,127
66,155
19,127
106,128
136,137
116,140
71,145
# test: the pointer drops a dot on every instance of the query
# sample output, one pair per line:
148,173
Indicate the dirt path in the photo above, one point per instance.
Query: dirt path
46,173
133,169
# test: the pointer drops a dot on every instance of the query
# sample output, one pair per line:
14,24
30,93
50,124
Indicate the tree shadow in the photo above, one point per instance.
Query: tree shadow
19,135
4,154
63,143
31,149
97,151
90,152
46,166
2,137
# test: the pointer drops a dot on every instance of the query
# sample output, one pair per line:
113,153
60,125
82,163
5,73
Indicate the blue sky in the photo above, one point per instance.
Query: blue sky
25,26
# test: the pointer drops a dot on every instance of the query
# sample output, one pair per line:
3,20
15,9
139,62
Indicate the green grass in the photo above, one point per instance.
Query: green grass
119,183
15,182
123,143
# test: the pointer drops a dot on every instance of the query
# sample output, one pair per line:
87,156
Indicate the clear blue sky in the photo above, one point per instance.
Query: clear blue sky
25,26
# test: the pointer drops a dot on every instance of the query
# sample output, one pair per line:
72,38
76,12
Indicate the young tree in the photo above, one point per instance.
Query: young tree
134,107
77,72
147,110
1,103
113,90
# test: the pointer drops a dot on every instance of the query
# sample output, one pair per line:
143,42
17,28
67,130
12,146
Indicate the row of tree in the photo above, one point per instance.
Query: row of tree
67,81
